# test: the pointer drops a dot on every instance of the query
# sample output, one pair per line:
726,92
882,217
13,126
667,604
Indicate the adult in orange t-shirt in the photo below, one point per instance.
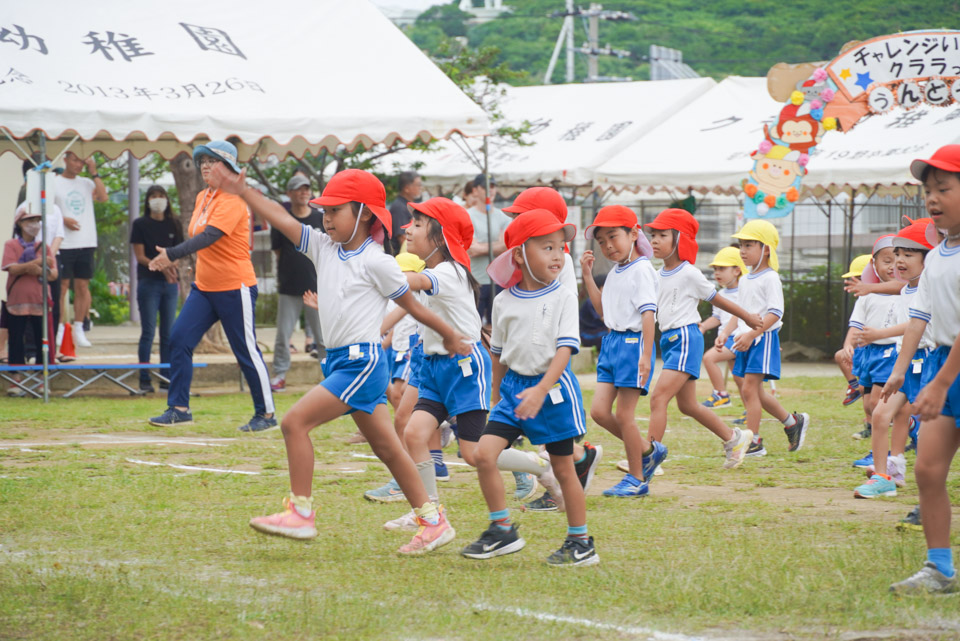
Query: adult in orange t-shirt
225,290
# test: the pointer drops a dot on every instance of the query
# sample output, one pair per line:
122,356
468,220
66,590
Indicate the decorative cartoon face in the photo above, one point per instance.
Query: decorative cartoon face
810,89
799,132
775,176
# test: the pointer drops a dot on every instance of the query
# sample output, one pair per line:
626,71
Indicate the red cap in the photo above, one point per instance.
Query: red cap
539,198
619,216
946,158
356,185
537,222
913,236
683,222
454,222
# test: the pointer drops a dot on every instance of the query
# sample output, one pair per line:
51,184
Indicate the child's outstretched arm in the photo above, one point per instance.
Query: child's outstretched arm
453,341
593,292
272,212
725,331
753,321
911,340
932,397
860,288
647,328
872,334
850,342
743,341
499,370
709,323
418,282
531,399
392,318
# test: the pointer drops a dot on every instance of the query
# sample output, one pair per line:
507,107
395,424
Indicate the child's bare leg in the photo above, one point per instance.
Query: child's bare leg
750,395
771,405
633,441
576,505
601,410
938,446
404,410
491,484
901,427
879,439
668,385
687,403
711,360
845,364
386,445
316,407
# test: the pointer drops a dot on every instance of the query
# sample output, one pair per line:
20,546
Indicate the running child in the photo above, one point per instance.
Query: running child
758,350
937,302
355,280
535,332
888,472
682,287
728,267
843,358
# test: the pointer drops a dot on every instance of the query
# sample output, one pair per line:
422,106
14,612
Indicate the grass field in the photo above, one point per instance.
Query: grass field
98,542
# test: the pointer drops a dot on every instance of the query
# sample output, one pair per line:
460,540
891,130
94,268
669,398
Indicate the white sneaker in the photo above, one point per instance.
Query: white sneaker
897,469
406,523
446,435
736,449
550,484
79,338
59,336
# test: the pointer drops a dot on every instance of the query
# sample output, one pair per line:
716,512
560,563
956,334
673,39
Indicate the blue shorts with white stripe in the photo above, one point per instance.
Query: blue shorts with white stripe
459,383
560,417
682,349
763,357
357,374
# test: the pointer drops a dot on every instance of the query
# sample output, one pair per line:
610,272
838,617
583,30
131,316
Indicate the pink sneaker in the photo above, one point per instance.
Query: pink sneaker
430,537
288,523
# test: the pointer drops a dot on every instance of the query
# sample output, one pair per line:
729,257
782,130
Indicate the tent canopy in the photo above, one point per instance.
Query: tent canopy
307,75
706,147
574,128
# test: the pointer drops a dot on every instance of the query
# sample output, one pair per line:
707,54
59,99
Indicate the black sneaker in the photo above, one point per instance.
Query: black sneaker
588,465
756,448
259,423
146,387
495,541
911,521
797,432
864,434
574,552
543,504
172,416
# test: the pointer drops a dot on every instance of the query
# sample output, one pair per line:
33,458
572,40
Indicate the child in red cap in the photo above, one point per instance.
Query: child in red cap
937,304
355,280
681,288
535,332
910,247
449,386
627,305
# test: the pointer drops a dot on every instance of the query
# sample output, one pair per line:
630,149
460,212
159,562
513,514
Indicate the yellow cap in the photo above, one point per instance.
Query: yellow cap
410,262
857,265
729,257
763,232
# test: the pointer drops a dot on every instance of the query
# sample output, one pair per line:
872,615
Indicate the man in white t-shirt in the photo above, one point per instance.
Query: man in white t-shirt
75,195
479,251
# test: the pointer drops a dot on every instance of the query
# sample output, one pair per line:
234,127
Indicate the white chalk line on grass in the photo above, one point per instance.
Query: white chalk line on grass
587,623
110,439
192,468
372,457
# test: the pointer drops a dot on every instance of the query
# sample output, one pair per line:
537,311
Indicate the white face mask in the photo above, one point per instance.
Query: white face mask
31,228
157,205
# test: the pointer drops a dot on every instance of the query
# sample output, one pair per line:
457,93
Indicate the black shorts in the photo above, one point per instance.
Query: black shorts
511,433
77,263
469,424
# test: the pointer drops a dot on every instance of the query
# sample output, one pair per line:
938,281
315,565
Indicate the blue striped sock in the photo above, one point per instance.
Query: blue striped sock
577,531
437,456
501,518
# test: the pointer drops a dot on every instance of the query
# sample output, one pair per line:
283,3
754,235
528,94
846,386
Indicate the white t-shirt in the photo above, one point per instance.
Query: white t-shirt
352,287
498,223
54,226
907,296
568,276
629,291
761,293
74,196
405,328
451,298
681,290
938,294
528,327
878,311
732,294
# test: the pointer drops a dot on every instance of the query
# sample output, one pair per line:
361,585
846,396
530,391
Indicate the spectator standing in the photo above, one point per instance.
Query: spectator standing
75,196
479,251
156,291
409,189
296,275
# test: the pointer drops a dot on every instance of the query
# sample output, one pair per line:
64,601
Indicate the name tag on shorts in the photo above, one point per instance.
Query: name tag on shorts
887,352
673,338
634,340
917,365
465,366
556,396
354,352
400,356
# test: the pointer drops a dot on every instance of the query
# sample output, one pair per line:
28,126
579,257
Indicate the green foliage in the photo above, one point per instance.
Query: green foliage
720,38
448,18
266,310
111,310
809,316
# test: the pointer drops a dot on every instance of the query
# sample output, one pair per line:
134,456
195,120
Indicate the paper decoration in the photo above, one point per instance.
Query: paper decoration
875,76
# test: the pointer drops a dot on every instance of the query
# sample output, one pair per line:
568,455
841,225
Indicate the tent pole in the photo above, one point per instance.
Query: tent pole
489,210
133,205
45,351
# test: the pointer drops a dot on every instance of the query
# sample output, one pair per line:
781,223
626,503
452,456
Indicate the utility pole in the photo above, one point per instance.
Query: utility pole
591,48
593,35
569,21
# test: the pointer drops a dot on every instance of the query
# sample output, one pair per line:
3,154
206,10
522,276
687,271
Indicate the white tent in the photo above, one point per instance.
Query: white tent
706,147
292,77
574,128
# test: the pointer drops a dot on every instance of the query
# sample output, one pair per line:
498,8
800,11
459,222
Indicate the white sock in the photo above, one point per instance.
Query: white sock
790,421
511,460
428,475
735,437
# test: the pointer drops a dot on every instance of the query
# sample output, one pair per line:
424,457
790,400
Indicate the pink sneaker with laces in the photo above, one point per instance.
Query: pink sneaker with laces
429,537
288,523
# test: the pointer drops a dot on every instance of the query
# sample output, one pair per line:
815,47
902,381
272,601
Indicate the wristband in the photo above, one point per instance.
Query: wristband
94,177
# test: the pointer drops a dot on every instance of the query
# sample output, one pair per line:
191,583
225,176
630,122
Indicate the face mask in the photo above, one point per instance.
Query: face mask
30,229
157,205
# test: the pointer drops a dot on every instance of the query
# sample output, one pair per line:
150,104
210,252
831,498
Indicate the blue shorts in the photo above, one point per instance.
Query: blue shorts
682,349
933,364
857,361
763,357
556,421
459,383
416,360
912,379
389,355
619,360
876,364
400,366
729,343
360,382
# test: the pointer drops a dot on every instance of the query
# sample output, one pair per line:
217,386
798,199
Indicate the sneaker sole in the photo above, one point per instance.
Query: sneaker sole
159,424
301,533
850,402
912,527
590,560
540,509
857,494
593,467
393,498
445,537
803,432
762,452
406,527
443,478
260,431
716,407
516,546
